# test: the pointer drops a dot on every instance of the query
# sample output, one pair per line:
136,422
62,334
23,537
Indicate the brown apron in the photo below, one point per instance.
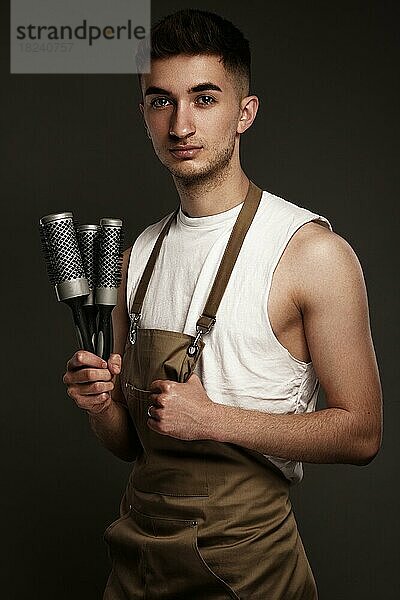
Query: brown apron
200,520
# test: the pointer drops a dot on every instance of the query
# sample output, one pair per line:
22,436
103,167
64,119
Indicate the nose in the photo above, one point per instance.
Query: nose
182,123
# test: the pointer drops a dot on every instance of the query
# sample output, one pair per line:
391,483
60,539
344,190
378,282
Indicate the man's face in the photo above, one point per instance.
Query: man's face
191,106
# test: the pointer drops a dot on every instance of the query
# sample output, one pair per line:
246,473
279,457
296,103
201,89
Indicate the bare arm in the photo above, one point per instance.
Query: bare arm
95,386
328,289
330,292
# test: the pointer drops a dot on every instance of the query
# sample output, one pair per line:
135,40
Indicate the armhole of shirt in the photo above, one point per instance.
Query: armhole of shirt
296,226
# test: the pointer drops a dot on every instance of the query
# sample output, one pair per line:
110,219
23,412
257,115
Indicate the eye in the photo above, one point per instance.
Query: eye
160,102
205,100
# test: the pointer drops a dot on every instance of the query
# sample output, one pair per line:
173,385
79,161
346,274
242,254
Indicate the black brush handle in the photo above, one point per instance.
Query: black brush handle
105,332
91,311
81,325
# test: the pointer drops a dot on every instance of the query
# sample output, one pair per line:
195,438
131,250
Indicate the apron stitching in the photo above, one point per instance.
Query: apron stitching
208,569
173,495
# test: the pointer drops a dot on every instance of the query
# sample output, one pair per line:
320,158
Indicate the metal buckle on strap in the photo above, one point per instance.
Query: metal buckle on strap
135,318
201,329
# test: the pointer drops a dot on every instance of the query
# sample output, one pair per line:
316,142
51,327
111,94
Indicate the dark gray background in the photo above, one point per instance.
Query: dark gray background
326,138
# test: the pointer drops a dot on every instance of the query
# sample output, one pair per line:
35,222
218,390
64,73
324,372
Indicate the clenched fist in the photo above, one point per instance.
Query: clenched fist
181,410
90,380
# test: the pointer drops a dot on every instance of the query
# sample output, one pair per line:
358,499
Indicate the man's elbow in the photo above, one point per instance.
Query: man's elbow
367,449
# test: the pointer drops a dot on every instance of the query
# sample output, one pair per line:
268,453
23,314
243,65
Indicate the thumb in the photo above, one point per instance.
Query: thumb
194,379
114,364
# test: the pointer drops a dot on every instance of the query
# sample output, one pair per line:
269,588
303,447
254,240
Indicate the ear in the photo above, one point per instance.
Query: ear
248,111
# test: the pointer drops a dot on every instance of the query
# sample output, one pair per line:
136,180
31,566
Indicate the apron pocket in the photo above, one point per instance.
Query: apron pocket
158,559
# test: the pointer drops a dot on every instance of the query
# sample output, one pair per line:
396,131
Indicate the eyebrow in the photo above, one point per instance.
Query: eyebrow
156,90
201,87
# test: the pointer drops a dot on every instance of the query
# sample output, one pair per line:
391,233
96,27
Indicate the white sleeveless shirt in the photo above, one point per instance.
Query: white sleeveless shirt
243,364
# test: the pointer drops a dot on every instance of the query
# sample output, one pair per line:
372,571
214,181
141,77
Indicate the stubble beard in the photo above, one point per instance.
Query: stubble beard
214,169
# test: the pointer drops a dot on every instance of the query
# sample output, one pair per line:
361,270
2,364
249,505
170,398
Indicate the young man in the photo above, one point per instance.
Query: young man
218,424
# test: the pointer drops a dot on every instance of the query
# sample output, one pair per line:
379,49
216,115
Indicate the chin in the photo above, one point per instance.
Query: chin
192,176
187,170
191,172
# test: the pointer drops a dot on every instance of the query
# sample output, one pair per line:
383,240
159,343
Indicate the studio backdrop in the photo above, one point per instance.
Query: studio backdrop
326,138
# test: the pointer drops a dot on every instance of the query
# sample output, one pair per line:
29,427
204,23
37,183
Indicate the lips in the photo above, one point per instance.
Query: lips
185,152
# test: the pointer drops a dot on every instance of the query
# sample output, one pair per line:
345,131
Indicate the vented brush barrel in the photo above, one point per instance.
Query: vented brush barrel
65,268
108,281
63,254
109,266
88,240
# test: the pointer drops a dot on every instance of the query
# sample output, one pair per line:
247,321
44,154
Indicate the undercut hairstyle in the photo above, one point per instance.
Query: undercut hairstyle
193,31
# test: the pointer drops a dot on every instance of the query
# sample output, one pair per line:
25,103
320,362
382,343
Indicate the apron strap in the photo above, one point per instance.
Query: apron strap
238,233
235,242
145,279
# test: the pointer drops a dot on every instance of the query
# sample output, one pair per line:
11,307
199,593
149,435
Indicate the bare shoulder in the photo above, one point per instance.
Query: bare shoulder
323,262
314,240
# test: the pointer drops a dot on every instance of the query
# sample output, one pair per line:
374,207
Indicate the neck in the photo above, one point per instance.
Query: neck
213,195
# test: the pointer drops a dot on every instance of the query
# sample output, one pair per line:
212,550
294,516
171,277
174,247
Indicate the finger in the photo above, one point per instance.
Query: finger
154,425
156,399
85,358
162,385
95,388
153,413
97,406
87,376
194,378
88,402
115,363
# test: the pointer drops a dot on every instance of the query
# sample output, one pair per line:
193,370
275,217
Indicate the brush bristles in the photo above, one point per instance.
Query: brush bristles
89,252
47,255
88,239
109,272
61,248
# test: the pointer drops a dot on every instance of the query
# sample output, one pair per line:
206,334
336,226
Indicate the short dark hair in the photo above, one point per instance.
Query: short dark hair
192,31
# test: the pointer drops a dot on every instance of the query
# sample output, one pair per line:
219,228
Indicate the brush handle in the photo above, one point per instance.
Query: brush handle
81,325
91,311
105,332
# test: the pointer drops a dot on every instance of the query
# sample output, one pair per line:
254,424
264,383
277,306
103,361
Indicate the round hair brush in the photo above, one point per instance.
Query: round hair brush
88,240
109,272
65,269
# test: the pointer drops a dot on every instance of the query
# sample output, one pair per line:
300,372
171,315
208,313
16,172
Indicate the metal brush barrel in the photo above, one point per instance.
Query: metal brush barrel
109,264
88,240
67,269
108,281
